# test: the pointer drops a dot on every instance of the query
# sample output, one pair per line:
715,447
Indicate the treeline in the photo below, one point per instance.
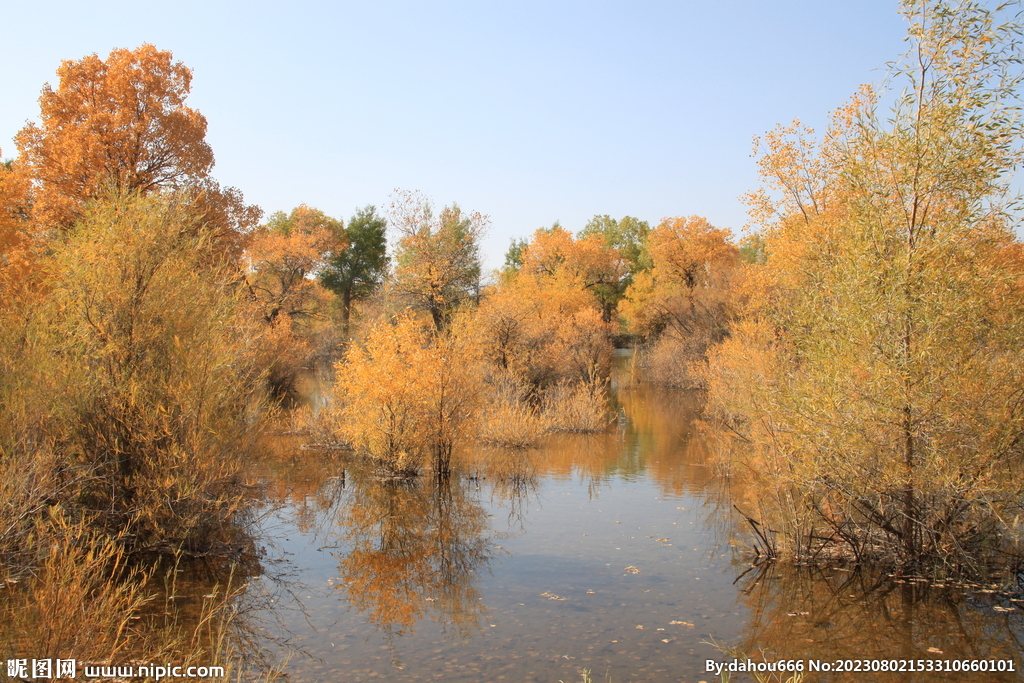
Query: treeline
151,321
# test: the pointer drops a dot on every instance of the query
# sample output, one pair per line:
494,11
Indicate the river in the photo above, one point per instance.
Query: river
617,553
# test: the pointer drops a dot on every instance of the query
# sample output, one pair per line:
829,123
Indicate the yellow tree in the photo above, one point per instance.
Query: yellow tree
437,259
285,255
16,235
687,287
685,301
876,378
407,398
121,122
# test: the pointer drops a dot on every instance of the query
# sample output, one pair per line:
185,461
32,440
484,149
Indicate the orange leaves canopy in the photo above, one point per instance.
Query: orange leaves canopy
121,121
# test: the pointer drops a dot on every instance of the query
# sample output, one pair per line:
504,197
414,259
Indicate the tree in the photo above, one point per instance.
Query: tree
876,378
358,270
408,397
15,232
130,384
628,235
588,263
685,301
514,256
122,122
284,257
437,261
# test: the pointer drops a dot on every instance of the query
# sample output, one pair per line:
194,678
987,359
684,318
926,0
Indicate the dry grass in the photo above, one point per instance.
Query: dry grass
577,407
509,419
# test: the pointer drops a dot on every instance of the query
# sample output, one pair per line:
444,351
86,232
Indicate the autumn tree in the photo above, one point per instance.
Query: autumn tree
357,269
437,259
16,234
628,235
284,257
122,123
876,378
406,398
281,263
685,301
129,386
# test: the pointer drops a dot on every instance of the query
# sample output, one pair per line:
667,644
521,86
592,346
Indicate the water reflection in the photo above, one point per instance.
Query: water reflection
401,573
416,549
801,613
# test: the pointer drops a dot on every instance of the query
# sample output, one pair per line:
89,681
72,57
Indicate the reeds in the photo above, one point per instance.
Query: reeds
578,407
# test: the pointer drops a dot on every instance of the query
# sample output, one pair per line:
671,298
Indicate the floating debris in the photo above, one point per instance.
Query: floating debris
551,596
633,570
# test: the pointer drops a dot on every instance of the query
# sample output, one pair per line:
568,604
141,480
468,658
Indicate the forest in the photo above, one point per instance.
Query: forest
858,351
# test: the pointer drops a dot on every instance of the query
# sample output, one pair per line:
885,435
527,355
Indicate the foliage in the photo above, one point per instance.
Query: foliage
514,256
544,324
437,259
357,270
122,124
685,301
628,235
283,257
408,398
129,387
876,379
17,239
589,263
282,260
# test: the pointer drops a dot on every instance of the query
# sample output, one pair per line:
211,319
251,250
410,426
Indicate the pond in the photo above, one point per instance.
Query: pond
617,553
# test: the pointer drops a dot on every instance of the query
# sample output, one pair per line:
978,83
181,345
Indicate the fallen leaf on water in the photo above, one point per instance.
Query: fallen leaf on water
640,626
681,623
632,570
935,650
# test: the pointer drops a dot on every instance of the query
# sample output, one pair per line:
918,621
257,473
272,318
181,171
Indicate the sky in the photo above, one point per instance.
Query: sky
530,112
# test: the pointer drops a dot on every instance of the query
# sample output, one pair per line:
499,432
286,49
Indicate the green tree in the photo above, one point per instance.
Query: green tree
358,269
628,235
514,255
629,238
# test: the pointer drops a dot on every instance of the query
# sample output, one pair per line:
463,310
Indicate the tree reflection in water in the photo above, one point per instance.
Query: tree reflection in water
416,548
832,614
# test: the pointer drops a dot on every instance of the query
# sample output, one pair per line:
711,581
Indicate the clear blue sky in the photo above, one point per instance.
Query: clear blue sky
527,111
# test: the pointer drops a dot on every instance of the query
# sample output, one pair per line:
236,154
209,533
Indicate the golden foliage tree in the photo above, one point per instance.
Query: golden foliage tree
408,397
285,255
685,301
437,259
123,123
130,385
876,380
16,234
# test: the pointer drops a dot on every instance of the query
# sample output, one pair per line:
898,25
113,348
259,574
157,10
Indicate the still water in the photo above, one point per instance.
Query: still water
616,553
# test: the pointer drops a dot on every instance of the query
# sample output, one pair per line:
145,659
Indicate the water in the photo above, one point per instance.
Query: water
616,553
